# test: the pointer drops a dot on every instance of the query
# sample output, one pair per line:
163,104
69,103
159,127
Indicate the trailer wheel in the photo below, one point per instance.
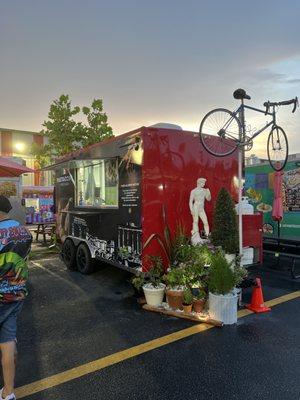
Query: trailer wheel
68,254
84,261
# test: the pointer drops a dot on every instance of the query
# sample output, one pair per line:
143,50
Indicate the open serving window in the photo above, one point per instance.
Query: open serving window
96,183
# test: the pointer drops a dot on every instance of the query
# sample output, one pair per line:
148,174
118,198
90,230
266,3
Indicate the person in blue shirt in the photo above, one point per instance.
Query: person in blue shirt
15,244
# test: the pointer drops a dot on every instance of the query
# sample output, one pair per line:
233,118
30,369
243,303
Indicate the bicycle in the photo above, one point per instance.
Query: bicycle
223,131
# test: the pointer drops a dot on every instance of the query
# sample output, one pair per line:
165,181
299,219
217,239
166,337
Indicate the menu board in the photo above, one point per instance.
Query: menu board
130,194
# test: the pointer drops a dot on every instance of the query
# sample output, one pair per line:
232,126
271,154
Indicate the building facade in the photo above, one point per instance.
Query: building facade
259,178
17,144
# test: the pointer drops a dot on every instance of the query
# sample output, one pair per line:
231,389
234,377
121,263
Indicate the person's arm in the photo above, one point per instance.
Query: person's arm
207,194
191,202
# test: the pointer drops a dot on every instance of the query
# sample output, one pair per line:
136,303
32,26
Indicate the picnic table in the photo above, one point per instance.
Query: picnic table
45,228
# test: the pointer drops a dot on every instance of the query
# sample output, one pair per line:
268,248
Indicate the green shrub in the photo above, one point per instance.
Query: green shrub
187,297
154,276
200,294
202,254
239,272
175,278
221,277
180,246
225,227
138,282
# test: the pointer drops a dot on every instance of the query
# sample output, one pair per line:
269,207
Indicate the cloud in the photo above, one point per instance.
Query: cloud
292,81
267,75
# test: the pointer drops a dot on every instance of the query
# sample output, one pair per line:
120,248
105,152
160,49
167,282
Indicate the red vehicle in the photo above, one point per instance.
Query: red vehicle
114,196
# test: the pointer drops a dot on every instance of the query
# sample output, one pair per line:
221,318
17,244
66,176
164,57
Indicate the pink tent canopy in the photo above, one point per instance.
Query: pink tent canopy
277,212
10,168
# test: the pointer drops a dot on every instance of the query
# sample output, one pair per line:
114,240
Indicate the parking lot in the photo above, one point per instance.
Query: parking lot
87,337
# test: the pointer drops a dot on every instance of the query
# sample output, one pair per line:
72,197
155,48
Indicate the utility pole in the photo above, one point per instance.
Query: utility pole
241,157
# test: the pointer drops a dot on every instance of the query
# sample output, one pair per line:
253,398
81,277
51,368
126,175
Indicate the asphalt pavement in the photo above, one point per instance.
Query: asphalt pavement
70,320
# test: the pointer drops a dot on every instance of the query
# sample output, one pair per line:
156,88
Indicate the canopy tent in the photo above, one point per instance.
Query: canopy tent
10,168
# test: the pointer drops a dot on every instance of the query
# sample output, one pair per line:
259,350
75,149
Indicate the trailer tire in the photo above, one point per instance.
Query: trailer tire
68,254
84,261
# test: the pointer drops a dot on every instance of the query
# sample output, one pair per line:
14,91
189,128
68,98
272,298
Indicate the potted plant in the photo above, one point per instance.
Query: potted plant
199,300
240,273
187,303
222,299
204,254
225,227
190,273
180,248
152,282
175,287
124,254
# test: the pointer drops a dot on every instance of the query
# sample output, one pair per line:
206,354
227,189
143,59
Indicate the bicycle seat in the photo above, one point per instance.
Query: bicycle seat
241,94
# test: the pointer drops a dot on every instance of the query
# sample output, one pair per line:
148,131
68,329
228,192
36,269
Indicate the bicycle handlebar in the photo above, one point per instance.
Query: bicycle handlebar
269,104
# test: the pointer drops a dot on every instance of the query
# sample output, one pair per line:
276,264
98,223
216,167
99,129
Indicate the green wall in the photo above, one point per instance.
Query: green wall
259,189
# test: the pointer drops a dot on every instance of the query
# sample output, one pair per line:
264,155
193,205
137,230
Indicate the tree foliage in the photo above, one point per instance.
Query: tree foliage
221,277
97,124
65,134
225,229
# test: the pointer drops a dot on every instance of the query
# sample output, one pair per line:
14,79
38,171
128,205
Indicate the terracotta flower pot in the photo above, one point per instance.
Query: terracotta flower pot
175,298
198,305
187,308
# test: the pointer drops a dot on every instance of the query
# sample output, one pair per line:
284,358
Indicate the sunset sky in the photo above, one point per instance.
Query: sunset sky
150,61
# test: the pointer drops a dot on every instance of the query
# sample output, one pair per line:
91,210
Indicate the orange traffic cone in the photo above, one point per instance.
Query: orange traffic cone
257,300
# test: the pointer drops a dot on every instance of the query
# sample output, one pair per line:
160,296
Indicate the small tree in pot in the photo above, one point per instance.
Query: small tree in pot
225,227
222,300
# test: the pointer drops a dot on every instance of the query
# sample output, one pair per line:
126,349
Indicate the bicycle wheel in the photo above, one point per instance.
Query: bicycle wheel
220,132
278,148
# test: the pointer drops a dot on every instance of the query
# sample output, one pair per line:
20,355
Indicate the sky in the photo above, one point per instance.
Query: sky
150,61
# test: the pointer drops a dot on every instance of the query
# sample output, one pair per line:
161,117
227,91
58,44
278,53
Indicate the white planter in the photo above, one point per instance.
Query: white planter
239,293
223,308
154,296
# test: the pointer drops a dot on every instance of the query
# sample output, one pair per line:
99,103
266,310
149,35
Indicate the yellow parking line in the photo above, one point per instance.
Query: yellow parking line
282,299
123,355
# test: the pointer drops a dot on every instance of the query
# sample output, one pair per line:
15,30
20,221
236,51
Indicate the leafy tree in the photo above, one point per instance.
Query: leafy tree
65,134
98,128
41,155
225,229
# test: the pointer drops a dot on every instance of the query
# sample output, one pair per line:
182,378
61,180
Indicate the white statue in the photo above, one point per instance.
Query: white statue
197,199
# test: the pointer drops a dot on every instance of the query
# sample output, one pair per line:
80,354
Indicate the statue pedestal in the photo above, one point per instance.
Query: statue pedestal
196,239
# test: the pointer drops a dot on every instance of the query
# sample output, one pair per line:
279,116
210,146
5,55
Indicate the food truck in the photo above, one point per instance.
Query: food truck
115,198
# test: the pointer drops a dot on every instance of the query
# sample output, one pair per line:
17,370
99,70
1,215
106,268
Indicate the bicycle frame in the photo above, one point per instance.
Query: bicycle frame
240,114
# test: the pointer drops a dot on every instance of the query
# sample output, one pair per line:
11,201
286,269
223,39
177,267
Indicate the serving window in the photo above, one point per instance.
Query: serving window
97,183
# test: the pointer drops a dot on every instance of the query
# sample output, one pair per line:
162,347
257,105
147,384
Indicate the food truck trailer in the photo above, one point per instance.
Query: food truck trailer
115,198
